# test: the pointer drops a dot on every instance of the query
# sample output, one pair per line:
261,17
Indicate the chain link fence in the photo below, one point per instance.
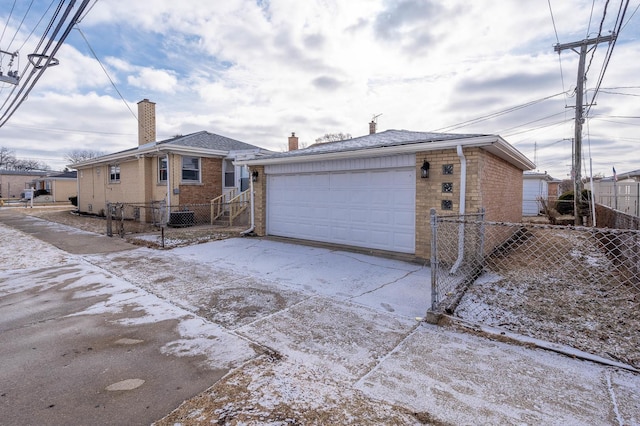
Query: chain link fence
156,225
575,286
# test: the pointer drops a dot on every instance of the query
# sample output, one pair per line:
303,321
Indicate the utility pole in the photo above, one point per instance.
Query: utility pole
577,141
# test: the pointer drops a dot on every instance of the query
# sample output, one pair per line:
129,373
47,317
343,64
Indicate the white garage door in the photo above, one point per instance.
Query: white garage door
368,207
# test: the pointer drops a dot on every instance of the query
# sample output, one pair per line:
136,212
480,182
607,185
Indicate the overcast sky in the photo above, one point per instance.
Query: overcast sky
258,70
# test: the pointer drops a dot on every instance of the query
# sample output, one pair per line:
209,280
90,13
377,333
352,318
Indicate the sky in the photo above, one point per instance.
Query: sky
256,71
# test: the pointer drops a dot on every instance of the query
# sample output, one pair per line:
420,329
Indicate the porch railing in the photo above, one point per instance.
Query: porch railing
219,204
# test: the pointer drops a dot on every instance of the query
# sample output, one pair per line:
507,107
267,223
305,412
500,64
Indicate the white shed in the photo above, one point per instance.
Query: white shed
535,187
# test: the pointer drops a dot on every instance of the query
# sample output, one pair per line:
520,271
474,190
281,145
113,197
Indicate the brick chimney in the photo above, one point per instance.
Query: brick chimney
372,127
293,142
146,122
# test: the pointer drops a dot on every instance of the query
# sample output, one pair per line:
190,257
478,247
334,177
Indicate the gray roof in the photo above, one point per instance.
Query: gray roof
634,174
376,140
206,140
193,142
23,173
64,175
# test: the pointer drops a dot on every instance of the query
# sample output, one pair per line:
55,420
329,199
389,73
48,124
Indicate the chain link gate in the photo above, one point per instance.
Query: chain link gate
575,286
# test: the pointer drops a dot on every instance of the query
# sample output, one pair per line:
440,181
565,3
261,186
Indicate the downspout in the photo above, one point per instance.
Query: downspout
251,207
168,189
78,190
463,193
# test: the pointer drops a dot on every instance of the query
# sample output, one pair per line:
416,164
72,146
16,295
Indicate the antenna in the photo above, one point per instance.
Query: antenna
373,120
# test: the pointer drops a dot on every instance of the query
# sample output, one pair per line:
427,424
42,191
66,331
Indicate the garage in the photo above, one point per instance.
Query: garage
365,202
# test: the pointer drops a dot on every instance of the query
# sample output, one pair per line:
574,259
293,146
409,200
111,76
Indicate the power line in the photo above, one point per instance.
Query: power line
41,61
6,25
105,72
495,114
555,30
616,32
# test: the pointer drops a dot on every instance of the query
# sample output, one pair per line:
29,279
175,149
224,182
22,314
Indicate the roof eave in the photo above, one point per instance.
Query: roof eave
494,144
145,151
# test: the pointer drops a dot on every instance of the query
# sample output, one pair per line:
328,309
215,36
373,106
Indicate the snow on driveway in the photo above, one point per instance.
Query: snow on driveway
328,337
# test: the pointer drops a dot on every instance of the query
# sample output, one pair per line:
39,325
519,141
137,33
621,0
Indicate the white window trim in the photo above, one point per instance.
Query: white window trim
111,175
166,169
182,169
227,162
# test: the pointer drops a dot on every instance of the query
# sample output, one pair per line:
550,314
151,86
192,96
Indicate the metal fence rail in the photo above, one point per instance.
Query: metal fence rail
569,285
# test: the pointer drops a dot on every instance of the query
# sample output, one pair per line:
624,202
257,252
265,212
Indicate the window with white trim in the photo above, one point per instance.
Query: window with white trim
162,169
190,169
114,173
229,174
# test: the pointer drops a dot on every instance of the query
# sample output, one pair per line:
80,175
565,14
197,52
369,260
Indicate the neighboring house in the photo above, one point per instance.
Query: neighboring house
13,183
56,187
538,186
370,191
190,169
622,194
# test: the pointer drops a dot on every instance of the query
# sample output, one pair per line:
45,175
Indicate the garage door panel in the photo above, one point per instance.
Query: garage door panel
371,208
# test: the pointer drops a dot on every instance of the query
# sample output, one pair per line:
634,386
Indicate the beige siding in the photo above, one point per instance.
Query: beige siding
63,189
12,185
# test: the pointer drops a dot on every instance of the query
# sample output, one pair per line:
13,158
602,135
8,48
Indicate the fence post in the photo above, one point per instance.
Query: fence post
109,224
434,258
482,235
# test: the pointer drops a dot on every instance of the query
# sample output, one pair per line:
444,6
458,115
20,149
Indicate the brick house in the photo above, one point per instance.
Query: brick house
376,191
56,187
189,169
14,182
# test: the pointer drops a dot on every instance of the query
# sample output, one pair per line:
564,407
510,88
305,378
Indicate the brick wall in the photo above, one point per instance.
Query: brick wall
210,186
429,193
260,200
491,182
500,189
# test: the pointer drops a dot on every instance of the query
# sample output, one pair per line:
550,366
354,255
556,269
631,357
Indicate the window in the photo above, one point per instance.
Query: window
114,173
162,169
447,169
190,169
446,205
229,174
447,187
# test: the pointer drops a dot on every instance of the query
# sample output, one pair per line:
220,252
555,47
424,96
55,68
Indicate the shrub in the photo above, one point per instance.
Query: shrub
564,205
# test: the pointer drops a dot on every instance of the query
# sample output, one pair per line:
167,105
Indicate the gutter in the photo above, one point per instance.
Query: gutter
494,144
463,193
251,208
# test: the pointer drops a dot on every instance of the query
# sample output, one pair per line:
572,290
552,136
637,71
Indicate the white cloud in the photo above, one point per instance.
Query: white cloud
154,80
257,71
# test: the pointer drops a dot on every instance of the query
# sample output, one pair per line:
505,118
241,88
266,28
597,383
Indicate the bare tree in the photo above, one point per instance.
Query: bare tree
7,158
333,137
78,155
29,165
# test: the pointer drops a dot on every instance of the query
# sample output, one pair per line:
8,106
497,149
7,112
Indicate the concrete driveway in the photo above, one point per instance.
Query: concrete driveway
97,331
261,332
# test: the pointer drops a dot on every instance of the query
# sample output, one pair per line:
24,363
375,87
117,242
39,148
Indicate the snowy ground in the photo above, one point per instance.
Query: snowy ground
315,336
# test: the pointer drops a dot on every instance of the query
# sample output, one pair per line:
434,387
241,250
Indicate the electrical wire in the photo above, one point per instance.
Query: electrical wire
494,114
6,25
105,72
20,26
621,13
555,30
593,51
39,70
